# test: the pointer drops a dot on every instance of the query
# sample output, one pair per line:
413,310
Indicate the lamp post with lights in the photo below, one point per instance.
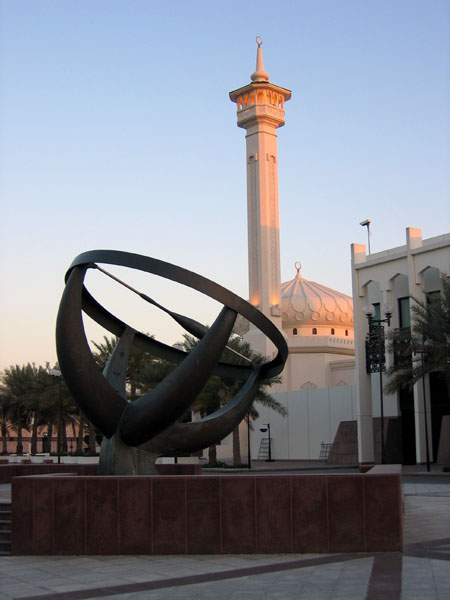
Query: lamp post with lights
375,353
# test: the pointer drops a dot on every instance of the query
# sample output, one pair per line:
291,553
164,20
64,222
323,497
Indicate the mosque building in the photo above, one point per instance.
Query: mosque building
316,321
318,388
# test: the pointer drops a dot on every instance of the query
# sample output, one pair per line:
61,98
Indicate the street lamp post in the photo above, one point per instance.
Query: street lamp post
57,373
249,458
375,354
263,430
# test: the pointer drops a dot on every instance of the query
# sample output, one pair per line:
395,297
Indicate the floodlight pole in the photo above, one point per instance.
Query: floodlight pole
249,457
375,364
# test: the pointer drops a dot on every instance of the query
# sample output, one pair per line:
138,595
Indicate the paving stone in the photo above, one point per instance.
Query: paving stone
427,519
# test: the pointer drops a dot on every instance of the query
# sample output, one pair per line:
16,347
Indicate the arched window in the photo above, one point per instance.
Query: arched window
346,332
294,331
332,331
314,331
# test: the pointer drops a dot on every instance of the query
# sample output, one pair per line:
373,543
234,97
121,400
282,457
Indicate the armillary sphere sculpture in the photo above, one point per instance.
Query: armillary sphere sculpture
136,433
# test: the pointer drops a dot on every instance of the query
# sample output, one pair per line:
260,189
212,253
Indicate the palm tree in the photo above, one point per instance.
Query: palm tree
220,390
5,408
31,397
426,346
141,365
145,372
262,396
54,398
19,388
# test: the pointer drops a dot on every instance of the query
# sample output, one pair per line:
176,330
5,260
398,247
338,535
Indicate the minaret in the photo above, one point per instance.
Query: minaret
260,110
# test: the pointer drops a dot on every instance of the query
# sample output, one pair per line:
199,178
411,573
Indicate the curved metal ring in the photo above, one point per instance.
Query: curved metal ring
152,412
189,279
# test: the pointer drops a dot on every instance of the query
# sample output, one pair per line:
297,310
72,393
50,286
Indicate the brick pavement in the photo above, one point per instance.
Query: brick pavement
421,572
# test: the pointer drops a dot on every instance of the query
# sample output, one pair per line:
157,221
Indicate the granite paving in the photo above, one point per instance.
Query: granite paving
421,572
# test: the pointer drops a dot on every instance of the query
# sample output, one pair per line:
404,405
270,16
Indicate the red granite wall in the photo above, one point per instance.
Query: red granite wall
207,515
8,471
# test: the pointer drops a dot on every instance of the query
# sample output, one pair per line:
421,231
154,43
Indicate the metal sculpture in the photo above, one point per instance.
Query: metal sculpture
136,433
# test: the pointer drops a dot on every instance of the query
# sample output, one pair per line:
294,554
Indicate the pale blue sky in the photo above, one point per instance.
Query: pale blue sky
117,132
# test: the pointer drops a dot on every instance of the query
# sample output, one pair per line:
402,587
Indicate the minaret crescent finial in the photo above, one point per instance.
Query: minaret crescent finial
259,75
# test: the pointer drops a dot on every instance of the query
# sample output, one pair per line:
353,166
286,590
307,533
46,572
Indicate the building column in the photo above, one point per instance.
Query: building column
364,409
416,290
419,421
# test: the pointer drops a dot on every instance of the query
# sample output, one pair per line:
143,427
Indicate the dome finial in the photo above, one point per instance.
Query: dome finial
298,266
259,75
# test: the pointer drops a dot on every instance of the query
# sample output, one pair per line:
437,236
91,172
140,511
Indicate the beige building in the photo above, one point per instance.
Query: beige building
393,277
316,321
319,323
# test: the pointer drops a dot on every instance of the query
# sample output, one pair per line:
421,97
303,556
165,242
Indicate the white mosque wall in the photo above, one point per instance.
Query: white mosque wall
319,369
313,417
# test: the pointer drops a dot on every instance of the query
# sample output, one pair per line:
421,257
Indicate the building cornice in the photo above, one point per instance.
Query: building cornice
265,85
324,344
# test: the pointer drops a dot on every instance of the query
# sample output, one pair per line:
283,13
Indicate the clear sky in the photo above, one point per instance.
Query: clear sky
117,132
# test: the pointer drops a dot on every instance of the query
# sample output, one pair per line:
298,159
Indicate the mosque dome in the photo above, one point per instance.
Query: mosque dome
308,304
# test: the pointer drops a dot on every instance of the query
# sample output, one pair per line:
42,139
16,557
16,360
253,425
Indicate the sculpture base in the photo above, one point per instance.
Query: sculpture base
116,458
231,514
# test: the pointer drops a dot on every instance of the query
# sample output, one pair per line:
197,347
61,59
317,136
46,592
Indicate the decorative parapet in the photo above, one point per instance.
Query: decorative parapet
321,343
267,96
260,100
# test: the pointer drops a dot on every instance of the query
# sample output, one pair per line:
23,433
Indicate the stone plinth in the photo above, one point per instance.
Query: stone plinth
7,472
207,515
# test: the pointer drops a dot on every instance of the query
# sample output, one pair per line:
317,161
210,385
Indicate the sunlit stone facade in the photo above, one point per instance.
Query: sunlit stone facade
395,276
316,321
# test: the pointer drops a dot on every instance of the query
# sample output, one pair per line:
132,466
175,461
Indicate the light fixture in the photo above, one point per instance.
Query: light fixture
375,353
369,310
388,310
367,223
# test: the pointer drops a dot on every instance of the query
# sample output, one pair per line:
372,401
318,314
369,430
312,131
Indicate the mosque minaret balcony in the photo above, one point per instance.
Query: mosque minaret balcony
260,100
